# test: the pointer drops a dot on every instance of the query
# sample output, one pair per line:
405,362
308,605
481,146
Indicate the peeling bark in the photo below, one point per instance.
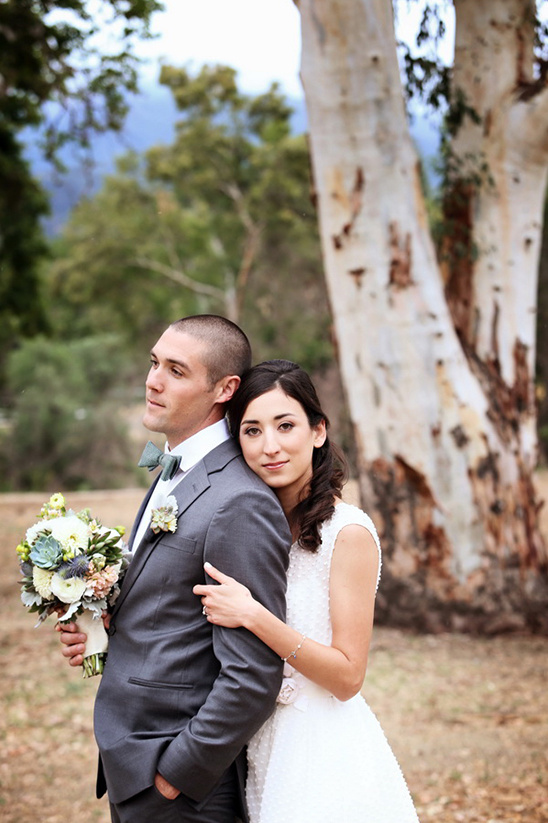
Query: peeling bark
456,256
400,258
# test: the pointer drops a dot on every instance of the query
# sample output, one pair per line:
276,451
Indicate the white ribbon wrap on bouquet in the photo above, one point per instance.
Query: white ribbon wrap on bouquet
97,641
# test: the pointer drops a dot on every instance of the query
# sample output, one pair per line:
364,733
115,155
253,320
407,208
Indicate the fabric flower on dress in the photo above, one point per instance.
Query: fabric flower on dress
289,691
164,517
291,688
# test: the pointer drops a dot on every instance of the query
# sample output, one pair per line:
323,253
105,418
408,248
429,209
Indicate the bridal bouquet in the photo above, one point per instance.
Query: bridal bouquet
73,566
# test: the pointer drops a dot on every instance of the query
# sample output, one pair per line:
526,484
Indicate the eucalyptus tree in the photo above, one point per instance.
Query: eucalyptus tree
437,346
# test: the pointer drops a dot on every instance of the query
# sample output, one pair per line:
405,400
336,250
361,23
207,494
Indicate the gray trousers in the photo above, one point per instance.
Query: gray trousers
149,806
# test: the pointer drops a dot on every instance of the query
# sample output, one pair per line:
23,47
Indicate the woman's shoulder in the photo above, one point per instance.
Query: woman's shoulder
346,514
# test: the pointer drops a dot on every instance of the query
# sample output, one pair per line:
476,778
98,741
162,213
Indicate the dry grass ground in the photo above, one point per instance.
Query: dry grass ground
467,717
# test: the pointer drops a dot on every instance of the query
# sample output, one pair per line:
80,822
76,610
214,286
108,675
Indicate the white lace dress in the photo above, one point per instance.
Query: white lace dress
317,759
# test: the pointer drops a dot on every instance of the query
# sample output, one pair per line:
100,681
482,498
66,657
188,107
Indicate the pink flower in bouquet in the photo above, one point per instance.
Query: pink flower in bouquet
102,582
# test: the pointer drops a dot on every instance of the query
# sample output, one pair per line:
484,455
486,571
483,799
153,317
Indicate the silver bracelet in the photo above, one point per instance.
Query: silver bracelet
293,654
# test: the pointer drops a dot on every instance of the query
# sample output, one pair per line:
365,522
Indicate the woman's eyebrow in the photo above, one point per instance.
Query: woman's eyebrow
277,417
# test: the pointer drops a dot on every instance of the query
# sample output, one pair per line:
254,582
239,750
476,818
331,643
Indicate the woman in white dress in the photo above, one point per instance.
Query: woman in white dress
322,756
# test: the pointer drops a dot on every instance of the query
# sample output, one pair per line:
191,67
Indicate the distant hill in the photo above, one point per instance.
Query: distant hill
150,121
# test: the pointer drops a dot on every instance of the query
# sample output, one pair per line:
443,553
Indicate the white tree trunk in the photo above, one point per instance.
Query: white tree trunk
435,465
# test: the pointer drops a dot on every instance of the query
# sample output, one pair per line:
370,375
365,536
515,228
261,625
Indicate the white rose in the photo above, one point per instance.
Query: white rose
68,591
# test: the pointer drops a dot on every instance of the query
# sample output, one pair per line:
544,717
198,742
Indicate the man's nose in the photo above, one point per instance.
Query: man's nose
153,380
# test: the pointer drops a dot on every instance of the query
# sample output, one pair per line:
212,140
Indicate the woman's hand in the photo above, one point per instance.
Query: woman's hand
230,604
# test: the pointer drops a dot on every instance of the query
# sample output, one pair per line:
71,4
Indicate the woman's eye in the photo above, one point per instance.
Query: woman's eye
252,431
285,427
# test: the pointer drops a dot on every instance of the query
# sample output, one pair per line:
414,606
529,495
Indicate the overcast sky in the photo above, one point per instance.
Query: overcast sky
260,38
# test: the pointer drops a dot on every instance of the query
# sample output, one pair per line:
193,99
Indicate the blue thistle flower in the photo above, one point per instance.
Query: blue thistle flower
77,567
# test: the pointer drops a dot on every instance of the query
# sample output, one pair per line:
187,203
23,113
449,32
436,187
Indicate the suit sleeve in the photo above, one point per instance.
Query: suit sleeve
249,540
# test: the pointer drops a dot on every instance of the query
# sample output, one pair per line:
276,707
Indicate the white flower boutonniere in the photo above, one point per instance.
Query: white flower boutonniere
164,517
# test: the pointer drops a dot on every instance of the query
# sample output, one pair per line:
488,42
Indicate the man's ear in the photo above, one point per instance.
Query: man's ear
226,387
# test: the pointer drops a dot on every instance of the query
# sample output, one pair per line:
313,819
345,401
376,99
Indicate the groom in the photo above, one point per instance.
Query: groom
180,697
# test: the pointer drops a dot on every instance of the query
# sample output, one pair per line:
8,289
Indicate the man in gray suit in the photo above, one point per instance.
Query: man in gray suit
180,697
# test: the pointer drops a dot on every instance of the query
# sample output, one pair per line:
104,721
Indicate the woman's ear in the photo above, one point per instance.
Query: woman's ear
321,434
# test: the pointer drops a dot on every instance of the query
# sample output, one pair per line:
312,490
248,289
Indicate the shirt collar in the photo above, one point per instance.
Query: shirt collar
195,448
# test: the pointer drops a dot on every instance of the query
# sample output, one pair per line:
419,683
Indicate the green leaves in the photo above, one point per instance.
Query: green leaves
221,220
56,80
66,429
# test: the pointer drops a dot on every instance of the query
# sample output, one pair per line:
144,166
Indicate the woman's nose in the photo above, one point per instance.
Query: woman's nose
270,444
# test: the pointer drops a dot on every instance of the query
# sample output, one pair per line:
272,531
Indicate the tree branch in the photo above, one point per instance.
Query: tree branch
179,277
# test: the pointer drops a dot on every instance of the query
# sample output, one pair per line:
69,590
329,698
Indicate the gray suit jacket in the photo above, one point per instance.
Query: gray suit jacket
179,695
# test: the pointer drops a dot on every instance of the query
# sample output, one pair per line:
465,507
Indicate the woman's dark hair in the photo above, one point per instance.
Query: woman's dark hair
328,464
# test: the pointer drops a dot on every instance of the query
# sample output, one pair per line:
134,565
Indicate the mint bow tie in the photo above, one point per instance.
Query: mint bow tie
152,457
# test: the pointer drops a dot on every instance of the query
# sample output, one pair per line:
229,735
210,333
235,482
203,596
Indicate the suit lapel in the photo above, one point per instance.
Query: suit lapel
186,492
142,508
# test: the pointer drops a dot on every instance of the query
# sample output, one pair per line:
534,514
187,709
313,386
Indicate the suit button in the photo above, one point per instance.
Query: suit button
111,630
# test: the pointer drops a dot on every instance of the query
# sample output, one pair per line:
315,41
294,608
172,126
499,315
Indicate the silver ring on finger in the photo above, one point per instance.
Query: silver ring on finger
204,611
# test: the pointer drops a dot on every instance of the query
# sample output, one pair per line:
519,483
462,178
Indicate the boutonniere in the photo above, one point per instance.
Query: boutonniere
163,518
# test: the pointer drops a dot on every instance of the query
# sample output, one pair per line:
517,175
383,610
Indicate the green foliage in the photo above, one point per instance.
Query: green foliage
95,283
49,54
56,82
22,204
65,430
221,220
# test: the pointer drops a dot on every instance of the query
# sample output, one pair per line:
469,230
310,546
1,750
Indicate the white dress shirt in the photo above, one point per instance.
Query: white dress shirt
192,451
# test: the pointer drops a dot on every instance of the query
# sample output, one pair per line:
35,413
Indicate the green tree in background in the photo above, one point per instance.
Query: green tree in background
221,220
55,80
67,432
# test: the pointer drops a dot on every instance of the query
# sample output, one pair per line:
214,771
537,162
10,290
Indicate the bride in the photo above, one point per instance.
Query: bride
322,755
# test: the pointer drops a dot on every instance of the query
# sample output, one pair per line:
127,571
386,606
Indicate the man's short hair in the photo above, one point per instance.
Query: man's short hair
228,350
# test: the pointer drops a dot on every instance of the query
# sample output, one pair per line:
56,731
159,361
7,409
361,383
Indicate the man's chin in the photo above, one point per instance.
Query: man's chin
151,424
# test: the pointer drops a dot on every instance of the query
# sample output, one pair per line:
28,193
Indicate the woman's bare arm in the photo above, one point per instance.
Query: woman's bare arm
339,668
